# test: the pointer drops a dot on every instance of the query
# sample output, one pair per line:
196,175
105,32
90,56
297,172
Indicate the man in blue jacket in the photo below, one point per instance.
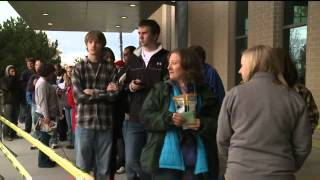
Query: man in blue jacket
211,76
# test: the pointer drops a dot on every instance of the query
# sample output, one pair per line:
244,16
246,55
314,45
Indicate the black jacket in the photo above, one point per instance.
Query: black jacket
136,69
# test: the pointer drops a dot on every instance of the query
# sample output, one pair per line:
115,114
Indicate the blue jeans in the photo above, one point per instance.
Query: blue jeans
93,151
135,137
43,159
68,114
35,117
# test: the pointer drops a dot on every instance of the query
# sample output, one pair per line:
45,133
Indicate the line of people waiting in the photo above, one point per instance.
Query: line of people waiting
129,113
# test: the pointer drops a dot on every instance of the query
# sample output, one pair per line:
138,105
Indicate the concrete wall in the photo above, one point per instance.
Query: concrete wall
313,50
165,18
212,25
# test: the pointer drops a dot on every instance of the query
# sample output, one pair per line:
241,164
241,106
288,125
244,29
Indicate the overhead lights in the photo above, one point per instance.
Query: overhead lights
50,24
118,26
45,14
132,5
124,17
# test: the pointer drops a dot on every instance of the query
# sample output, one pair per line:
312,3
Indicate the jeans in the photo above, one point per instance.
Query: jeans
25,116
135,137
35,117
93,151
68,113
43,159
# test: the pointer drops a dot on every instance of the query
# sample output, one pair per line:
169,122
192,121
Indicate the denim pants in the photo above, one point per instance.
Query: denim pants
93,151
135,138
43,159
68,115
35,116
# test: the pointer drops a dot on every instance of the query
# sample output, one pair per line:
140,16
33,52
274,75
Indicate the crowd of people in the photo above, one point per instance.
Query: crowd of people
165,115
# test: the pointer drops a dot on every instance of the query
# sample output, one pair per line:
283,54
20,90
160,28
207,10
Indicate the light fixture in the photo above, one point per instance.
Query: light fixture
132,5
50,24
117,26
45,14
124,17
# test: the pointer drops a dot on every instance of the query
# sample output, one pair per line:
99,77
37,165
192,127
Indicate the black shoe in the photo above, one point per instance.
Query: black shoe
70,146
17,137
33,147
48,165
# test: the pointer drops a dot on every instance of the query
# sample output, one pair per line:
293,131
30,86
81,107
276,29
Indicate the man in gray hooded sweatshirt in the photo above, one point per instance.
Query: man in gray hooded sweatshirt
11,96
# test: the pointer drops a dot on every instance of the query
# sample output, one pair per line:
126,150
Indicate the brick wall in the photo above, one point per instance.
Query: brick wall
265,23
313,50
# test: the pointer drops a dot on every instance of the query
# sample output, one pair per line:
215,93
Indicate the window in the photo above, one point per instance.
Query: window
295,34
241,34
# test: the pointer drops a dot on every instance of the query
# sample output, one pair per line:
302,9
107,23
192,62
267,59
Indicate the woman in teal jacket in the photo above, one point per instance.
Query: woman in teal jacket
175,150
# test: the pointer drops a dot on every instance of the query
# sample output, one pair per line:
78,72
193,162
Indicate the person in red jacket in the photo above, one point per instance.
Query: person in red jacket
72,104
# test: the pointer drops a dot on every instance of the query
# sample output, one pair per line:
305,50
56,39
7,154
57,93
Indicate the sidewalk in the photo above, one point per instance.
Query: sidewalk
28,158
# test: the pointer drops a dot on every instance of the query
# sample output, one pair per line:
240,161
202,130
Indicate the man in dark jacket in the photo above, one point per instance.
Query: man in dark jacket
12,95
25,113
147,66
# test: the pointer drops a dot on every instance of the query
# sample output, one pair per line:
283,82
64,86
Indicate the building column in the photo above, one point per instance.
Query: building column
265,23
313,51
212,26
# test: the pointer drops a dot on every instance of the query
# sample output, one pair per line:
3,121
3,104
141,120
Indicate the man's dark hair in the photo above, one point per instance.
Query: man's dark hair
46,69
200,52
30,59
154,26
131,49
96,35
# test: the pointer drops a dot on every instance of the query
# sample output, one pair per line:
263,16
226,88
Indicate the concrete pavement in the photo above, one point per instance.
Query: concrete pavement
28,158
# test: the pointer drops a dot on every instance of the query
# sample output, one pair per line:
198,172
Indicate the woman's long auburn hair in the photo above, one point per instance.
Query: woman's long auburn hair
190,64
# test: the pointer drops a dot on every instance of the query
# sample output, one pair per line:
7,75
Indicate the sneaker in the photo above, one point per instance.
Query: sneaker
121,170
54,146
49,165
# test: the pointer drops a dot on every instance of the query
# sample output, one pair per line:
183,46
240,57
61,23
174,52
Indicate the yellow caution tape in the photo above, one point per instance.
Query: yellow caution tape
16,164
64,163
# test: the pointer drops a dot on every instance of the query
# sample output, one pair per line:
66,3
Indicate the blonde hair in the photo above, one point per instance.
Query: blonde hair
262,58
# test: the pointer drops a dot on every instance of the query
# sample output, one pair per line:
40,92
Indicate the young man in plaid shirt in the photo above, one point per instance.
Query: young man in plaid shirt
93,94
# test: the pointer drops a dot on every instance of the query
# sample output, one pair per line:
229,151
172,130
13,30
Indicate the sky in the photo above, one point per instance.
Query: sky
71,43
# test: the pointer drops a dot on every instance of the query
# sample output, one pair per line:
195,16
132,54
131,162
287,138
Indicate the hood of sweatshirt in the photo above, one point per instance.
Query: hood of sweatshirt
7,70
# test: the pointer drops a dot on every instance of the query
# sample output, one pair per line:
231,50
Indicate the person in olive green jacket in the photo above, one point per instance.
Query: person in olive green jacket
195,145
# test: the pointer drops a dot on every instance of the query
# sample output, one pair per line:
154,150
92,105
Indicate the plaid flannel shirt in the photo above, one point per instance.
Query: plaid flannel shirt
93,112
313,112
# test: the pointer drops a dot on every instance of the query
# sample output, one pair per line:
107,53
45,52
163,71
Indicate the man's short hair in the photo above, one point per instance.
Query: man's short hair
96,35
154,26
46,69
200,52
131,49
30,59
